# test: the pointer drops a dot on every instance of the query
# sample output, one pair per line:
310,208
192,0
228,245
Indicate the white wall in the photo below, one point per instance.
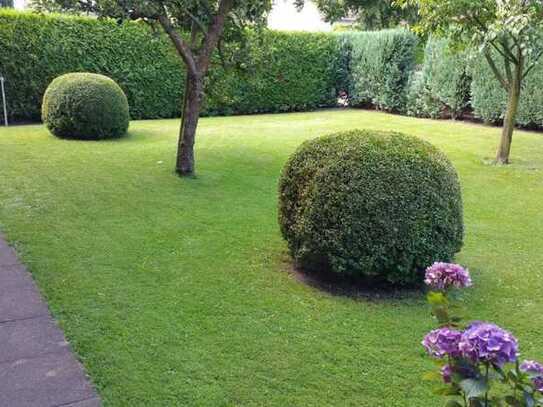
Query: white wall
20,4
284,16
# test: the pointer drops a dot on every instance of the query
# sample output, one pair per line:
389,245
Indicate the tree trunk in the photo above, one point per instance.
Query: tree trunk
189,123
197,65
509,121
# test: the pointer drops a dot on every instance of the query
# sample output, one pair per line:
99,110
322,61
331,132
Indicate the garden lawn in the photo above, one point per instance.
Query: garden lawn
177,291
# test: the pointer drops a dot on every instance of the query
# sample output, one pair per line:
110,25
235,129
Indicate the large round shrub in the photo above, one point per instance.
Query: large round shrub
381,206
85,106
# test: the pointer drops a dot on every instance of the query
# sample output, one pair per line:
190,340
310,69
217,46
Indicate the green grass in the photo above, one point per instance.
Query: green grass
175,291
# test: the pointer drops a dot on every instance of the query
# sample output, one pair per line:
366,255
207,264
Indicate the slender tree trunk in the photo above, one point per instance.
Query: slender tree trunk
197,64
185,101
509,121
189,123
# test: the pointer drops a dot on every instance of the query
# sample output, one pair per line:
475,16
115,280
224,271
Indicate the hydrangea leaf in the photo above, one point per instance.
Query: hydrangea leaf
474,387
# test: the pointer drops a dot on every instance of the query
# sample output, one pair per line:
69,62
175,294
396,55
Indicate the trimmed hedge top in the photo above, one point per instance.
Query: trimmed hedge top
85,106
276,71
381,206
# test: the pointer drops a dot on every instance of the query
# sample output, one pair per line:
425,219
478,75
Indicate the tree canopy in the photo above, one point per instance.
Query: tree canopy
369,14
483,23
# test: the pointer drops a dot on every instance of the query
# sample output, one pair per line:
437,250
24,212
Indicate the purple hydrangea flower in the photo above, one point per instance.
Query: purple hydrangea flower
484,342
538,383
442,276
446,374
535,370
532,367
442,342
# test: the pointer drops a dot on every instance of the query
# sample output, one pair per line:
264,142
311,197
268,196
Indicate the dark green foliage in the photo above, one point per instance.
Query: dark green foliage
279,71
38,48
6,3
343,71
381,206
489,99
85,106
450,82
421,102
381,64
442,87
380,14
282,72
369,14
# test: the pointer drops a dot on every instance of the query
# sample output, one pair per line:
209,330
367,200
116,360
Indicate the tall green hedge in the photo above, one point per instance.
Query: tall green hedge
449,83
272,72
489,99
441,88
36,49
277,72
381,63
280,72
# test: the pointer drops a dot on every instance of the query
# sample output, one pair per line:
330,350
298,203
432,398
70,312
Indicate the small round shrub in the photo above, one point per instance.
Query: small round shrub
85,106
374,205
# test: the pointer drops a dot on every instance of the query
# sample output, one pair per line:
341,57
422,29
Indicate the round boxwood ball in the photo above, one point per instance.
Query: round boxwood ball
85,106
375,205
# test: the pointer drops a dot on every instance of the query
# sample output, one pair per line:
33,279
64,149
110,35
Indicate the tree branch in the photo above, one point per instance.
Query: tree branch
519,70
182,48
506,62
496,71
532,64
509,57
197,21
484,30
214,33
509,53
515,40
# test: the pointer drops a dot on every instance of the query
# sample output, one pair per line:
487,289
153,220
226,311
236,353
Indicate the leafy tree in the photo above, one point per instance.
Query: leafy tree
196,29
507,33
385,14
6,3
370,14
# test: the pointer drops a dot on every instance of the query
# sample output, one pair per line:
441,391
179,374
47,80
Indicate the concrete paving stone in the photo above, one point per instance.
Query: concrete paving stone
19,297
28,338
48,380
37,366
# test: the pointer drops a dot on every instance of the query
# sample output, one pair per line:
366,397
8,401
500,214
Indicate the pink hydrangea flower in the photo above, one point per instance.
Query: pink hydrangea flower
442,276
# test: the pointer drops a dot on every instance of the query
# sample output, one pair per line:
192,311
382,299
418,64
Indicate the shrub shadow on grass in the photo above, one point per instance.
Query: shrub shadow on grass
128,136
352,287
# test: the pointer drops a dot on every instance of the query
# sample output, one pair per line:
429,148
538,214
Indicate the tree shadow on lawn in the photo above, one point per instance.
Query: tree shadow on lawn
350,287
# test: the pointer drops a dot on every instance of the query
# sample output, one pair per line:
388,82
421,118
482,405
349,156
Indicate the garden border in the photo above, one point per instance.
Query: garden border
37,365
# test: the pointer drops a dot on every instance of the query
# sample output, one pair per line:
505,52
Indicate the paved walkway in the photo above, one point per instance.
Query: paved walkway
37,366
